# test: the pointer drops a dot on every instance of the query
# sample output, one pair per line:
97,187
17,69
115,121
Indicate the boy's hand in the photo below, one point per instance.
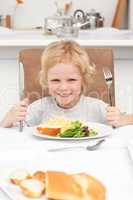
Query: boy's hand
15,114
114,117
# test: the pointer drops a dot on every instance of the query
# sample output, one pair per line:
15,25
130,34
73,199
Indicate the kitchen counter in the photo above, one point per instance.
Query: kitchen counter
106,38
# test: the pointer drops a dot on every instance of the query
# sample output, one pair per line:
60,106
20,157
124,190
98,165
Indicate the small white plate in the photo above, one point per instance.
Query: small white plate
102,130
13,192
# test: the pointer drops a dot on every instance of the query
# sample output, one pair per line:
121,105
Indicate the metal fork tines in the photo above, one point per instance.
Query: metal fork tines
109,79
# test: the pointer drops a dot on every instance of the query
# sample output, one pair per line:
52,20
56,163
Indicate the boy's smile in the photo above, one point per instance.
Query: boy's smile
65,84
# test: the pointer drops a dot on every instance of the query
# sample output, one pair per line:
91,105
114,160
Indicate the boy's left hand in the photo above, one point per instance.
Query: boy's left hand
114,117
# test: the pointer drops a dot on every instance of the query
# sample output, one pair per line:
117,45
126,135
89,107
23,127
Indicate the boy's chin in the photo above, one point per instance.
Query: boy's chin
65,104
68,102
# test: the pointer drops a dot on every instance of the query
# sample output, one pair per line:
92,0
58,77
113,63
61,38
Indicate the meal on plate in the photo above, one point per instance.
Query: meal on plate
60,185
66,128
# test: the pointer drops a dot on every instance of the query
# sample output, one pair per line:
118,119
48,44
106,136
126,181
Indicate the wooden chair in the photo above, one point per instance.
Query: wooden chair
31,62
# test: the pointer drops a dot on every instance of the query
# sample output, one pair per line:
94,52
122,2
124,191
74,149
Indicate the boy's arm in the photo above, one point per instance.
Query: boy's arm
6,122
127,119
115,118
15,114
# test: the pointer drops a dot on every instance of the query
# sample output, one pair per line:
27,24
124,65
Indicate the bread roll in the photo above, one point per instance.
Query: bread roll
32,188
39,175
81,186
19,175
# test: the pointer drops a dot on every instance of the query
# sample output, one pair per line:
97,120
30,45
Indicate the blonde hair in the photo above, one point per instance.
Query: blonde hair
66,51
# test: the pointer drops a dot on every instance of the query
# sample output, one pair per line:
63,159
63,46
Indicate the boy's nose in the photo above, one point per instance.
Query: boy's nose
63,86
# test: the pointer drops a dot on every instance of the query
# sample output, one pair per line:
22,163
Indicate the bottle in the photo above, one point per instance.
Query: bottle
8,21
5,21
99,20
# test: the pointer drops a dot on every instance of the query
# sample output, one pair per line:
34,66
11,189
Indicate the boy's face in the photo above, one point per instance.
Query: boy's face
65,84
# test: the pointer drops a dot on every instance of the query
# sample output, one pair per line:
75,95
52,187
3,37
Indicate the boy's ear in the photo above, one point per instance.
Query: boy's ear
83,88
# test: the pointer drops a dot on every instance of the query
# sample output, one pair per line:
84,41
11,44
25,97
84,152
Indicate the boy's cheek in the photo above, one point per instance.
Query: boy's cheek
51,90
51,93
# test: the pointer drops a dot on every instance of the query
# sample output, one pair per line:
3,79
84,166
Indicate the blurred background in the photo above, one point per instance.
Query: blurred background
31,13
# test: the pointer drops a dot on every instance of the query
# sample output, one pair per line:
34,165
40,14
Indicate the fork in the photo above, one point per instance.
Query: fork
109,79
87,147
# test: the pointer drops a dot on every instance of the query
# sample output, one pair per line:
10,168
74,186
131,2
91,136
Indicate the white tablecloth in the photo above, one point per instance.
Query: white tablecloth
112,163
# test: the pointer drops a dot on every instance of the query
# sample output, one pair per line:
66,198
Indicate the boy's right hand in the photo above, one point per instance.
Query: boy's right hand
16,113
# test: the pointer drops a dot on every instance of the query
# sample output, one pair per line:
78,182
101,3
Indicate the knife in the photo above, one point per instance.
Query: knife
21,90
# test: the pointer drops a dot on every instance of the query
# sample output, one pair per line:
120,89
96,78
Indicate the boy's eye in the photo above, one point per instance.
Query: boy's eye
72,79
55,80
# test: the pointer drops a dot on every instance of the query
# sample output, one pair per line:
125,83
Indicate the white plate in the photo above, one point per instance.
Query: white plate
13,192
102,130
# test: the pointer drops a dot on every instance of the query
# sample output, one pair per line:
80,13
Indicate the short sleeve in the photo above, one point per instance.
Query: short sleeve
35,112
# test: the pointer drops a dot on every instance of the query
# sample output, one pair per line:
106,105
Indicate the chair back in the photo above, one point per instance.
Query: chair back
31,61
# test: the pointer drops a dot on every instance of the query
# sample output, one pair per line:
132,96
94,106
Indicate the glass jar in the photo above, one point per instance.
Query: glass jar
67,32
51,24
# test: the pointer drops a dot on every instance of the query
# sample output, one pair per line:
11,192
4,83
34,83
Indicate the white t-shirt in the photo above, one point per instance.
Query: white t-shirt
88,109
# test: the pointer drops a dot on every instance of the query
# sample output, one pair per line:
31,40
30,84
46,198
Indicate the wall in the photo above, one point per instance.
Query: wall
32,12
8,85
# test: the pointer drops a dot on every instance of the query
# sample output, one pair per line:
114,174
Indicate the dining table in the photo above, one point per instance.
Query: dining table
111,163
